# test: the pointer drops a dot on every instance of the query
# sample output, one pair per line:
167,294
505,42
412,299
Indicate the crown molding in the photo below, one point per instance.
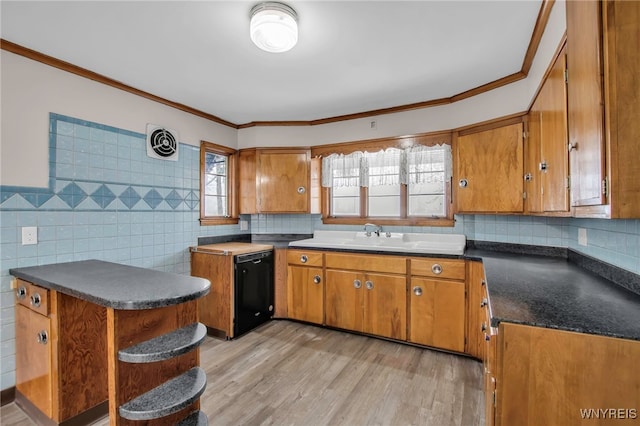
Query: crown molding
534,43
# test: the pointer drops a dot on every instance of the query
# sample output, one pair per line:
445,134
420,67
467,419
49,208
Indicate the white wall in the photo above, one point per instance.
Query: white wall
31,90
503,101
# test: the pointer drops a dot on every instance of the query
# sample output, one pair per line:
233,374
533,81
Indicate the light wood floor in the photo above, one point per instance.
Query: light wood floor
286,373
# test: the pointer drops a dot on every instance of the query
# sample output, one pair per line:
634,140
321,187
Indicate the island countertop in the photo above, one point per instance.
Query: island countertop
114,285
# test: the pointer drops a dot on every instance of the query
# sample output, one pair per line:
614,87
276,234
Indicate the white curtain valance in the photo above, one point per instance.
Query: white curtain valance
417,164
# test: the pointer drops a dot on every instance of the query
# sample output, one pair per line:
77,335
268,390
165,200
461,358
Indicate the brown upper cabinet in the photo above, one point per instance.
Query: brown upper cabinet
275,180
547,158
585,99
603,59
489,165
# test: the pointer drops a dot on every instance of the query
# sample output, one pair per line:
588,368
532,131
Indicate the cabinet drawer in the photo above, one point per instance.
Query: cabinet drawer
439,268
304,257
33,297
367,262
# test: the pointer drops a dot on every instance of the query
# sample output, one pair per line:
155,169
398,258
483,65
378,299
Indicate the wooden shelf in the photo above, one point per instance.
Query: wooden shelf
167,346
168,398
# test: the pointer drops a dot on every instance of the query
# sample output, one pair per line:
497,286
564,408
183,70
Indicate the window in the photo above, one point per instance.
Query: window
217,184
392,186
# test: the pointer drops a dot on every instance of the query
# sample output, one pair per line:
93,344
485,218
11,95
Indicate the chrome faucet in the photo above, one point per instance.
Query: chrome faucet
377,229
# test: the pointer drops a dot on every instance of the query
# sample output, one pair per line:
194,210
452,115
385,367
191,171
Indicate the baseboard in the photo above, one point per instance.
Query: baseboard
87,417
7,396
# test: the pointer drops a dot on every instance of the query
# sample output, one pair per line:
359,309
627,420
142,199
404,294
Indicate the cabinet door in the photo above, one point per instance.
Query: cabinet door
33,358
553,144
283,181
305,294
490,170
344,308
247,184
585,102
622,93
437,313
475,313
385,312
547,161
532,179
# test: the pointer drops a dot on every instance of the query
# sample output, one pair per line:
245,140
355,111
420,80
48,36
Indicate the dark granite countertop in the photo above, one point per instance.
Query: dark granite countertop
554,292
114,285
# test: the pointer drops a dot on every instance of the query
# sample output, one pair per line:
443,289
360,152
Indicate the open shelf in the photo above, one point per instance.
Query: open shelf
168,398
167,346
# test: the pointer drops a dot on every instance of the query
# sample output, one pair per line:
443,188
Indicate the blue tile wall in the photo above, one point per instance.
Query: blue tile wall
105,200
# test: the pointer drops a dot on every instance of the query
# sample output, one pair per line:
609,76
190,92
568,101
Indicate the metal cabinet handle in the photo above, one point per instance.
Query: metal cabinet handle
484,326
36,300
463,183
357,283
436,269
302,190
484,302
304,258
369,285
21,292
572,146
417,291
483,282
487,337
317,279
42,337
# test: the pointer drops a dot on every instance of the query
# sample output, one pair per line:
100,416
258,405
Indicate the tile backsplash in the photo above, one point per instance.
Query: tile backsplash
105,200
613,241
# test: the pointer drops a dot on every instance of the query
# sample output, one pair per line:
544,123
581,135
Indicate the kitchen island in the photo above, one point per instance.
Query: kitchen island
91,331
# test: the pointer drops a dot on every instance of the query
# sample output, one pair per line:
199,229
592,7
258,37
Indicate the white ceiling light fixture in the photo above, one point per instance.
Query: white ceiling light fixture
274,27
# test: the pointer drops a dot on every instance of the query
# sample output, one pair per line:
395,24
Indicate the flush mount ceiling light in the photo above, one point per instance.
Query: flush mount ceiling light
274,27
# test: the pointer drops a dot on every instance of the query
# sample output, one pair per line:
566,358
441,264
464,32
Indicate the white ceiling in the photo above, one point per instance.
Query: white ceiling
351,57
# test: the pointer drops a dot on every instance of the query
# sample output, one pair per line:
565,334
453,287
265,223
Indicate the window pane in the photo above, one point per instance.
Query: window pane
426,205
346,191
345,206
375,191
426,188
215,185
215,164
384,206
215,206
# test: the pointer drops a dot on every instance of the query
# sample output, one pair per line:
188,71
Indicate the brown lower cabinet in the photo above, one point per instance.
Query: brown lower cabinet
437,311
535,376
376,294
554,377
61,348
305,286
306,294
369,303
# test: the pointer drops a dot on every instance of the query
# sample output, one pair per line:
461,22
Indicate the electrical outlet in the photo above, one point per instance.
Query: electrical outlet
29,235
582,236
373,124
244,225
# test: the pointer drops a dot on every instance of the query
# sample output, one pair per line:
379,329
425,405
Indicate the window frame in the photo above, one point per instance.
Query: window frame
401,142
232,184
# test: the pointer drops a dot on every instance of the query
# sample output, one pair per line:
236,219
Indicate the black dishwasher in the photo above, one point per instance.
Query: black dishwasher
253,290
